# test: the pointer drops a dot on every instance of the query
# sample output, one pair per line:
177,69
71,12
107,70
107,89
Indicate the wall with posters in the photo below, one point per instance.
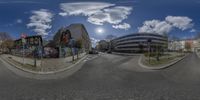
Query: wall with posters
33,46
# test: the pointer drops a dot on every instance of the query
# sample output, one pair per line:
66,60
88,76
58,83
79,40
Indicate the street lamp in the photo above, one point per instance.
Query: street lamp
23,36
149,48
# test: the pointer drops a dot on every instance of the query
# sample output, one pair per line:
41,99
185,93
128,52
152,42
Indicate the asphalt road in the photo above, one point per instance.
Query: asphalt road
109,77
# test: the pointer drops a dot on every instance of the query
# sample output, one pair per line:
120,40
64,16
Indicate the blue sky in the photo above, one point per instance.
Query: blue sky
178,18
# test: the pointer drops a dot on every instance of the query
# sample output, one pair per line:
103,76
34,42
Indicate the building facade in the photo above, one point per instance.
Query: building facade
197,45
63,39
176,45
33,45
184,45
139,42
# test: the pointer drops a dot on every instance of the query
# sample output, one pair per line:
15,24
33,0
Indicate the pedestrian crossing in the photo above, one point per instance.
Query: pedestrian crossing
91,57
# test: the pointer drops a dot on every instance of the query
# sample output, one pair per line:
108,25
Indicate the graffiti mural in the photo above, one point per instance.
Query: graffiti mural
65,38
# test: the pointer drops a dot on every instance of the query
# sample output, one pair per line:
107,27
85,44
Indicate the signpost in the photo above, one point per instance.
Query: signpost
23,36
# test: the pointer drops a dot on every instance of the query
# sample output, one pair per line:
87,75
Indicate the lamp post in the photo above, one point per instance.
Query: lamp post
149,48
34,55
40,51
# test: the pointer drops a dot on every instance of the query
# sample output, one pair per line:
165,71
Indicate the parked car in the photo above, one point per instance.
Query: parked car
93,52
109,51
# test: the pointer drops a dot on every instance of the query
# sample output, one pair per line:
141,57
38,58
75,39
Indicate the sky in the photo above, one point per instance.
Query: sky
176,18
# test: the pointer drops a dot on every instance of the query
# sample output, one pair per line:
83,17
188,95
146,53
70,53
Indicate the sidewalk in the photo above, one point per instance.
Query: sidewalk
44,66
198,54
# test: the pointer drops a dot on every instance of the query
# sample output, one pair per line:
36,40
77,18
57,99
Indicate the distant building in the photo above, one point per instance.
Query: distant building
197,45
176,45
30,41
183,45
110,37
139,42
103,45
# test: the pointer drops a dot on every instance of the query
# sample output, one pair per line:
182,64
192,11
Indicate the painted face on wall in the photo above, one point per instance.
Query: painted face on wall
65,37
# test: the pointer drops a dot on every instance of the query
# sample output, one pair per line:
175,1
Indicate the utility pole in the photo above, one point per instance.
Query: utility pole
23,54
40,51
34,55
149,48
23,36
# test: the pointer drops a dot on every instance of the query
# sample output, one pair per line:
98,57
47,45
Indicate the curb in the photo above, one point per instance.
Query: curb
64,73
161,67
198,55
124,54
45,73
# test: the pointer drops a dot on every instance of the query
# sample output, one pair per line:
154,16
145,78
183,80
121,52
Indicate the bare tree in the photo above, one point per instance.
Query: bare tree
7,45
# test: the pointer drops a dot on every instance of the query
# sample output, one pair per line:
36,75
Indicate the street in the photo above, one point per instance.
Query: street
109,77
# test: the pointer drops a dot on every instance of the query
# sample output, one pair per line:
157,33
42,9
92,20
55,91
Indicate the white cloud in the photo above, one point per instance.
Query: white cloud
41,21
98,18
97,13
117,14
122,26
83,8
180,22
192,30
155,26
19,21
170,22
20,2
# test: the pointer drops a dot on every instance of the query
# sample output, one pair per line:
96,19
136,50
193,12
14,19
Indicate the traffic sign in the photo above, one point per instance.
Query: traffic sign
23,40
23,35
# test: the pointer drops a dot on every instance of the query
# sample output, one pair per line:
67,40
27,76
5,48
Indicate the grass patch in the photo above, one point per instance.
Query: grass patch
164,60
161,61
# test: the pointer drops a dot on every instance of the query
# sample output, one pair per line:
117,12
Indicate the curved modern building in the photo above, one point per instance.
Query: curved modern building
139,42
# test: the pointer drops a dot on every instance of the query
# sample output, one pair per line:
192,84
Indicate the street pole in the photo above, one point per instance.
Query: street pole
23,47
35,62
23,39
149,52
23,54
157,51
149,48
41,53
72,43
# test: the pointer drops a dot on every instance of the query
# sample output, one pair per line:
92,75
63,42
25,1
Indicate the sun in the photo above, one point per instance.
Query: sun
99,30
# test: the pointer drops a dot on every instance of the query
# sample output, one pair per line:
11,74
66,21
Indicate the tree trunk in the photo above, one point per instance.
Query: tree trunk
72,55
77,53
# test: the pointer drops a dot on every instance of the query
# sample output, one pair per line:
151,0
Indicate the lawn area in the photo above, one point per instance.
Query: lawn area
164,59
